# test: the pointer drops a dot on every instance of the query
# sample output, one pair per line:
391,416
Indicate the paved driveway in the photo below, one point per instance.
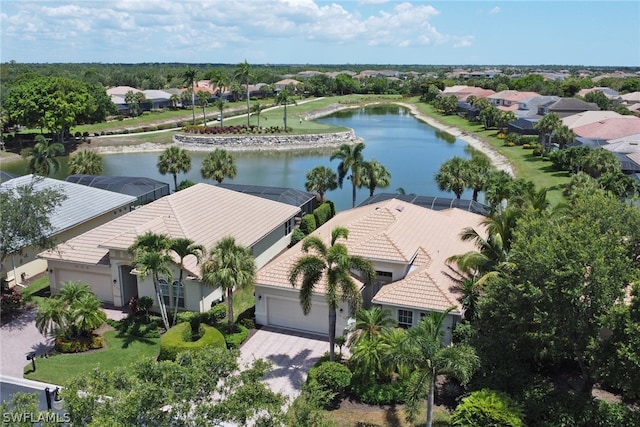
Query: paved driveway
291,353
19,338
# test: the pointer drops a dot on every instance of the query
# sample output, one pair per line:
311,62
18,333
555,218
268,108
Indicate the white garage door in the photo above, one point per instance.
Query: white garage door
288,314
100,283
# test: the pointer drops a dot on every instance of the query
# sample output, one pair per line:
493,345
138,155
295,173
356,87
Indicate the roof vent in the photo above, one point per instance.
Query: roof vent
399,208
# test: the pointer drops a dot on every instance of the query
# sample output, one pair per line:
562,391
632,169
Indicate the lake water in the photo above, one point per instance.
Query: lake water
411,150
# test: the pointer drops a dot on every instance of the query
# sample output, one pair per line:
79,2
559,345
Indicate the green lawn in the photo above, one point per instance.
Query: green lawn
121,351
37,289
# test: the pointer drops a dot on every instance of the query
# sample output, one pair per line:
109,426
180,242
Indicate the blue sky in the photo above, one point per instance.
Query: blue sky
590,33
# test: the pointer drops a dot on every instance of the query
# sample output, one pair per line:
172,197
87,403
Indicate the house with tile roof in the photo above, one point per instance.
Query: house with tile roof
509,98
408,246
83,209
567,106
203,213
610,129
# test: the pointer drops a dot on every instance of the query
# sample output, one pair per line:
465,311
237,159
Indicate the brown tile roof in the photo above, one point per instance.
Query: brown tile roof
608,129
203,213
399,232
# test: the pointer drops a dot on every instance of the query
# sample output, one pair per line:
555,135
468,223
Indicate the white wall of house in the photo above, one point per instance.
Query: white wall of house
280,307
99,277
400,314
272,244
398,270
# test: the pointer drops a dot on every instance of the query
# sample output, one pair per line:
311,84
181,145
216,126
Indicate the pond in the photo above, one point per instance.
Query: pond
411,150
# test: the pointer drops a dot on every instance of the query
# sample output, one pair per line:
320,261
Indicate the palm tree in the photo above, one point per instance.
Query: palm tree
50,319
452,176
203,100
284,98
321,179
499,189
86,162
375,175
370,323
423,351
478,174
175,100
351,161
243,74
174,160
257,108
220,105
563,136
189,79
219,165
87,314
150,254
230,266
184,247
43,156
546,126
332,267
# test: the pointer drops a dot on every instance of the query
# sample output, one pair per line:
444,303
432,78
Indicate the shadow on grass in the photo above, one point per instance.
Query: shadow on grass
393,417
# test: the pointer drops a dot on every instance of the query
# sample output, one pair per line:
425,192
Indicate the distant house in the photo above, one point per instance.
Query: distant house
608,92
84,209
610,129
567,106
587,117
203,213
280,85
528,107
157,99
408,246
144,189
510,98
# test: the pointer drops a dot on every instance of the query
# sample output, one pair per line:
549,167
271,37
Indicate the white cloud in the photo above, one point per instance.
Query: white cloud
365,2
464,41
494,11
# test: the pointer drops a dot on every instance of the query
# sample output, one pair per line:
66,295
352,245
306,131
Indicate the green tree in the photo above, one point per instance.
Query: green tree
487,408
375,175
86,162
189,79
133,100
203,100
370,323
150,255
423,351
321,179
329,266
243,75
42,157
619,184
546,126
26,223
209,388
231,267
257,109
285,98
184,247
452,176
220,105
479,172
600,161
218,165
174,160
563,136
351,161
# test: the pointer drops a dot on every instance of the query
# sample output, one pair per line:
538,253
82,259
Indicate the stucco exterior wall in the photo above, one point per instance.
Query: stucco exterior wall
449,323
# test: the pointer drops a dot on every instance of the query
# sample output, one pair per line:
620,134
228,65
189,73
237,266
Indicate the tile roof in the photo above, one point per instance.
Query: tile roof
608,129
81,205
203,213
588,117
399,232
573,104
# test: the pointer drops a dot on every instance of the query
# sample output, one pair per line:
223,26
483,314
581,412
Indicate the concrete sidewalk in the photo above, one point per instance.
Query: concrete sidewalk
19,338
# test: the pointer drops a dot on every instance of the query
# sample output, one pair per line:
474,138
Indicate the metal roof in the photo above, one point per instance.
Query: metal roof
286,195
6,176
81,205
430,202
145,189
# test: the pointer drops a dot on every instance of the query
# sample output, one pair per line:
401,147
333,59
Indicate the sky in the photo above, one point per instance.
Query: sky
480,32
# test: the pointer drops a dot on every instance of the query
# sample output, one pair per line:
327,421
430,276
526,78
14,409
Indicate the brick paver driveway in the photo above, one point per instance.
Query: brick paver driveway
291,353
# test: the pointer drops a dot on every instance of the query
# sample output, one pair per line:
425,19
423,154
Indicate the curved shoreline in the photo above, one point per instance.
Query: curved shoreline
497,159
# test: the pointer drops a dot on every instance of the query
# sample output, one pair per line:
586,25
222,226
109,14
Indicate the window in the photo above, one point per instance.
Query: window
405,318
383,277
164,291
169,295
287,227
178,292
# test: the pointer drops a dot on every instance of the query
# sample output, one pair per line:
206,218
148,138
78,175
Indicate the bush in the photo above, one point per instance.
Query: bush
139,326
78,345
322,213
333,378
296,236
173,342
378,393
235,338
487,408
217,313
615,414
308,224
10,301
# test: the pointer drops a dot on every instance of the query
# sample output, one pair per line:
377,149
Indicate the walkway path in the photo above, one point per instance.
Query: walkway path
19,338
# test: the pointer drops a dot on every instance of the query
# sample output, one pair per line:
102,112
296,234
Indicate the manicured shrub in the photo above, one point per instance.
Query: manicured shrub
235,338
173,342
140,326
78,345
296,236
307,224
378,393
322,213
333,378
487,408
217,313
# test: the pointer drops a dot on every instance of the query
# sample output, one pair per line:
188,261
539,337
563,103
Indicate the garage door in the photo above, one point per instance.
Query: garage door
288,314
100,283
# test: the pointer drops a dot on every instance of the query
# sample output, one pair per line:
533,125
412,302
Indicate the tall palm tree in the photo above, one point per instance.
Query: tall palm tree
150,254
351,161
375,175
257,108
330,266
43,159
174,160
203,100
321,179
423,351
86,162
284,98
546,126
184,247
243,74
218,165
220,105
189,79
452,176
230,266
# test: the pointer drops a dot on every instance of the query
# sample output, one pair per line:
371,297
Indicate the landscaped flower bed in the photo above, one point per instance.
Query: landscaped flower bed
234,130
